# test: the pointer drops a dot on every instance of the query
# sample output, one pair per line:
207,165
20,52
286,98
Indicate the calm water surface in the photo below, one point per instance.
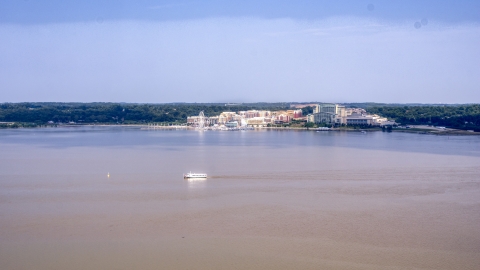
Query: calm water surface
273,200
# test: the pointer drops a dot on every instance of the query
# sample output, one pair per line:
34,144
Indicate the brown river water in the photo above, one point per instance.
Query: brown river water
273,200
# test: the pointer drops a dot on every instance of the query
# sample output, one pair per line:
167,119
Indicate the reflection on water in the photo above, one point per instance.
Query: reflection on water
196,183
176,140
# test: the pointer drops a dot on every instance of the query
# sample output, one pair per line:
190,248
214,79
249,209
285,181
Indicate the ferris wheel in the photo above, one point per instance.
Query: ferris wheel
201,121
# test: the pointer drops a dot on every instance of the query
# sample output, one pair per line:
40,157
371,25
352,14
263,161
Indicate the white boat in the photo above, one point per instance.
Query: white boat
195,176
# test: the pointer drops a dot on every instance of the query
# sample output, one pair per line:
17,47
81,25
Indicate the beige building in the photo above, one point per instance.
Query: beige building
257,122
254,113
224,117
213,120
193,120
310,118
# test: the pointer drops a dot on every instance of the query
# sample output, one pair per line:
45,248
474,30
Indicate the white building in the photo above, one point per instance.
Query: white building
359,119
310,118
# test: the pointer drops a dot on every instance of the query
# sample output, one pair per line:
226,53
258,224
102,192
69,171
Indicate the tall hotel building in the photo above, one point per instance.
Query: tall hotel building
329,114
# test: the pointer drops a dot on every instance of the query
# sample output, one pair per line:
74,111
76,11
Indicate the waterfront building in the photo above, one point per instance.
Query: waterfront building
213,120
207,121
231,124
243,122
193,120
350,111
360,119
237,118
341,115
224,117
294,113
242,113
254,113
310,118
282,118
329,113
264,113
256,122
378,120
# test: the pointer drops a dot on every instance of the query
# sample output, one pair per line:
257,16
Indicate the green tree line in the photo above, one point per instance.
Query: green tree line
42,113
453,116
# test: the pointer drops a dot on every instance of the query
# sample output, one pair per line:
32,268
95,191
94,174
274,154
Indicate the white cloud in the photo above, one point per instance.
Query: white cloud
338,59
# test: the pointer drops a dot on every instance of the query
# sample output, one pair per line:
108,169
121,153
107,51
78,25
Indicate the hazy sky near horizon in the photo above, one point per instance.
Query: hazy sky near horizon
242,51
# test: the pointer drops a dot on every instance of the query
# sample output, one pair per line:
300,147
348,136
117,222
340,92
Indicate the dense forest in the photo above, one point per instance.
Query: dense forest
453,116
42,113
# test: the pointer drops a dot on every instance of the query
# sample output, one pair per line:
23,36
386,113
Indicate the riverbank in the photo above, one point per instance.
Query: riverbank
420,129
431,131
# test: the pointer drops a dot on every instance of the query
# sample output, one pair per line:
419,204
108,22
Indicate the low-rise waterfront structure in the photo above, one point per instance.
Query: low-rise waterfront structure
359,119
257,122
326,113
231,124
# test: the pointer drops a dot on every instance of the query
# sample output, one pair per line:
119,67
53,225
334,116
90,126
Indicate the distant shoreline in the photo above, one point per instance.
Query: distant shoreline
414,130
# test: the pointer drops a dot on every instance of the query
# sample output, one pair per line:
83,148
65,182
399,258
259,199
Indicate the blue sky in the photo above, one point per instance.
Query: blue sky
242,51
57,11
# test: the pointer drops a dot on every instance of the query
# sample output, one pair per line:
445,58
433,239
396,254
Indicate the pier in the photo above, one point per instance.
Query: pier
165,127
